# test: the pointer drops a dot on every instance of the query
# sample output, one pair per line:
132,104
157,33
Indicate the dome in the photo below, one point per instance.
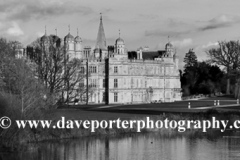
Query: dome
169,45
78,39
119,40
44,38
69,37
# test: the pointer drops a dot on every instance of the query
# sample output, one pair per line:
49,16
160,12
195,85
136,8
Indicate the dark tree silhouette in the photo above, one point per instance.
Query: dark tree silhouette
61,75
227,54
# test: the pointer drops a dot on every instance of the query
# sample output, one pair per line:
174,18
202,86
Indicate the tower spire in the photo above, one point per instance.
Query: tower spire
101,39
69,28
119,33
168,39
56,31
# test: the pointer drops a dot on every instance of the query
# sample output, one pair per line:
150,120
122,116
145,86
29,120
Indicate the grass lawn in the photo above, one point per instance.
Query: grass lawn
130,111
80,114
184,104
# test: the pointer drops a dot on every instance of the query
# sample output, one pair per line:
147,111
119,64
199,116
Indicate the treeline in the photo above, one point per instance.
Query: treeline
201,77
22,95
30,87
59,73
207,77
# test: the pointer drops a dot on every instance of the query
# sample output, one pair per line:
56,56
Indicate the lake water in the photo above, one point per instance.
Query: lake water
151,146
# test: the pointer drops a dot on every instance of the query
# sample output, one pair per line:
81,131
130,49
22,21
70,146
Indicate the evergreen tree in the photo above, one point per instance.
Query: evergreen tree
190,59
200,77
190,75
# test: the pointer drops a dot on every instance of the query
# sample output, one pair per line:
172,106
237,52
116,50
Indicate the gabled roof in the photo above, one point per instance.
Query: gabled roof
150,55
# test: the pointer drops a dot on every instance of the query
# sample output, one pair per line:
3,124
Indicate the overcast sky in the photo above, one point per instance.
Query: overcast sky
196,24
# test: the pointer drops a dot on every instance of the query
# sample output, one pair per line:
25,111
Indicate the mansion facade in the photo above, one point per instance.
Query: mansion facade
115,78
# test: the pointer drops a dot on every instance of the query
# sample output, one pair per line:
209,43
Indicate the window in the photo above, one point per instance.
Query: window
103,69
115,69
93,69
115,97
93,83
115,83
118,51
81,84
103,83
104,97
90,69
82,70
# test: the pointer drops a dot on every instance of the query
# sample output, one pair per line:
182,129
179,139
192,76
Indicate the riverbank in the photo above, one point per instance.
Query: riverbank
28,135
221,104
172,111
138,115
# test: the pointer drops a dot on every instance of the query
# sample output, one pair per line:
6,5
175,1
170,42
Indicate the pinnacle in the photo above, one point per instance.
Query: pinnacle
101,39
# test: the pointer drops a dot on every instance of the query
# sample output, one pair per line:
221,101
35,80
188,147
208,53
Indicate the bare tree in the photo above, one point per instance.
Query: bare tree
227,55
20,81
60,74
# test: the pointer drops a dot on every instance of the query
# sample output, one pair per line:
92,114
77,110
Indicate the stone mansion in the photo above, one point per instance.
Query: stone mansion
152,76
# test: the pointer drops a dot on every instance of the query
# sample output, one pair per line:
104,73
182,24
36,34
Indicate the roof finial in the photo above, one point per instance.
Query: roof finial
77,31
45,30
168,39
119,33
56,31
69,28
101,16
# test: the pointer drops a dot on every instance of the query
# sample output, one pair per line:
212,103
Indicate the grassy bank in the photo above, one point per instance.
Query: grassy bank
24,136
50,134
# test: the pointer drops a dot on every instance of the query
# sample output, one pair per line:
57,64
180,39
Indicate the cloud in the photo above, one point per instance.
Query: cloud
27,9
39,34
173,28
209,45
148,16
182,43
200,50
165,33
179,28
176,23
220,22
15,30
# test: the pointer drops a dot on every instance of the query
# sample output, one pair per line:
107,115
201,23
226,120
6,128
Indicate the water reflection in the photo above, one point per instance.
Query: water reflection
136,147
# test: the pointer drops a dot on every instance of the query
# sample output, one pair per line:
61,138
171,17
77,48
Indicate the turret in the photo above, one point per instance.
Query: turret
69,42
78,46
119,45
45,39
69,45
169,49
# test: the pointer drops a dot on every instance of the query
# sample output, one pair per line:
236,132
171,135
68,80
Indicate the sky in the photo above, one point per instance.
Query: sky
197,24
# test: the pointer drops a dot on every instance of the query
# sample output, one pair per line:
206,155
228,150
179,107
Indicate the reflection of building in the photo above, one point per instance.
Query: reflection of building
151,76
